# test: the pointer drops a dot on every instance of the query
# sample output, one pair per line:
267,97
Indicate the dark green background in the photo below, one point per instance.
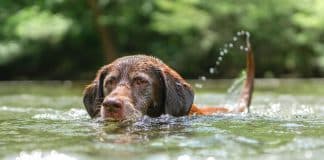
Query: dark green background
63,39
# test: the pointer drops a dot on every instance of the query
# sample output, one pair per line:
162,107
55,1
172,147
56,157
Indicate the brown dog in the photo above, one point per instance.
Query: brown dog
138,85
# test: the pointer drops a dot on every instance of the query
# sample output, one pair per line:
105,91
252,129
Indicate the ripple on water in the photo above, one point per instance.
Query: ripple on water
72,114
39,155
302,147
24,109
288,109
292,125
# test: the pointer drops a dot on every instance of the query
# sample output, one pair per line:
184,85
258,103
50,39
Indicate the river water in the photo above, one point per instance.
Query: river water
46,120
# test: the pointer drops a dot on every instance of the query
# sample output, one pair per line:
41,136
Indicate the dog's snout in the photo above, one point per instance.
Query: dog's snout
112,103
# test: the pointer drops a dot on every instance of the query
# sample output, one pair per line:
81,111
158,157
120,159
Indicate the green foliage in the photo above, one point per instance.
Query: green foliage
9,50
173,17
32,24
53,38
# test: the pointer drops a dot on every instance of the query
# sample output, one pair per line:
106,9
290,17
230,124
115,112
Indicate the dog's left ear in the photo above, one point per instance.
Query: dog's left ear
179,95
93,94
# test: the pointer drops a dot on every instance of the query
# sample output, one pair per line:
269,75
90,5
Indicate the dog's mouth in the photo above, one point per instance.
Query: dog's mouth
126,113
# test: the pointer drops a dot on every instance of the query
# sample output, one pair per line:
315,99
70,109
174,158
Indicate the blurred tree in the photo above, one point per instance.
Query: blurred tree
107,44
57,39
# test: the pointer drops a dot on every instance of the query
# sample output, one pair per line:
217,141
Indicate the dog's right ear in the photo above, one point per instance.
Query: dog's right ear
93,94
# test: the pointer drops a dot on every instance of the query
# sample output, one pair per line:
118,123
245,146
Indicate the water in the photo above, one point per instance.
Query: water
46,120
236,41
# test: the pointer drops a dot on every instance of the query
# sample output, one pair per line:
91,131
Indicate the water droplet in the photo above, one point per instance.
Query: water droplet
246,49
225,51
220,58
247,34
221,53
241,47
231,45
211,70
217,63
234,38
203,78
238,33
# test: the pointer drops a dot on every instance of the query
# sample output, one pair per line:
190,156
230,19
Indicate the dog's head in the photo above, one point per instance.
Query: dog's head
138,85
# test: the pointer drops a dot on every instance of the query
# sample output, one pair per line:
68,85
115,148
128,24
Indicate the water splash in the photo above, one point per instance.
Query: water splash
234,90
72,114
211,70
200,85
203,78
230,45
294,111
224,51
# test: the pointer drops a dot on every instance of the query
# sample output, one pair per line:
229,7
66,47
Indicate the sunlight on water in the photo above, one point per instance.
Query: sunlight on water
286,107
14,109
38,155
72,114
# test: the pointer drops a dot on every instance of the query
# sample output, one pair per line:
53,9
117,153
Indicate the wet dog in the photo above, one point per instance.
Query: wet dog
138,85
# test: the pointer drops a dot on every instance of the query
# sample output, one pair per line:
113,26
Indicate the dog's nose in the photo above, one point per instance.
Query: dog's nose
112,103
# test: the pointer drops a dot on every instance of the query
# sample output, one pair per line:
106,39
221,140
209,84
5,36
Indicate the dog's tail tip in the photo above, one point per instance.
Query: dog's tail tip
247,40
248,87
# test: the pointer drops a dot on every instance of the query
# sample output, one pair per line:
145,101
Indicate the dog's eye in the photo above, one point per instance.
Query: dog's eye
139,81
111,80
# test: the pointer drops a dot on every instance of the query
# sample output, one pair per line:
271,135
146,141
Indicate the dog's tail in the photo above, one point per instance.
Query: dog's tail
246,93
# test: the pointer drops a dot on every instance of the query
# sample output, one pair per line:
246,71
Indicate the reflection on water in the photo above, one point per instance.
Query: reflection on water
38,124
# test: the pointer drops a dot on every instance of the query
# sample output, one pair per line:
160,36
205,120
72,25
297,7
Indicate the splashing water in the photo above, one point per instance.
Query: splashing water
234,91
203,78
230,45
223,51
211,70
72,114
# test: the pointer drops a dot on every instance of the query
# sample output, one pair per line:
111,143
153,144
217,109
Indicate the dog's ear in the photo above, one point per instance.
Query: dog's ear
93,94
179,95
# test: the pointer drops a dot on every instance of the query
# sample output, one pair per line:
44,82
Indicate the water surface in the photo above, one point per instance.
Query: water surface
46,120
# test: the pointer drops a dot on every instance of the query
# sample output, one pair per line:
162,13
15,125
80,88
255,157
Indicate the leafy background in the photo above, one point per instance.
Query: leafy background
71,39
